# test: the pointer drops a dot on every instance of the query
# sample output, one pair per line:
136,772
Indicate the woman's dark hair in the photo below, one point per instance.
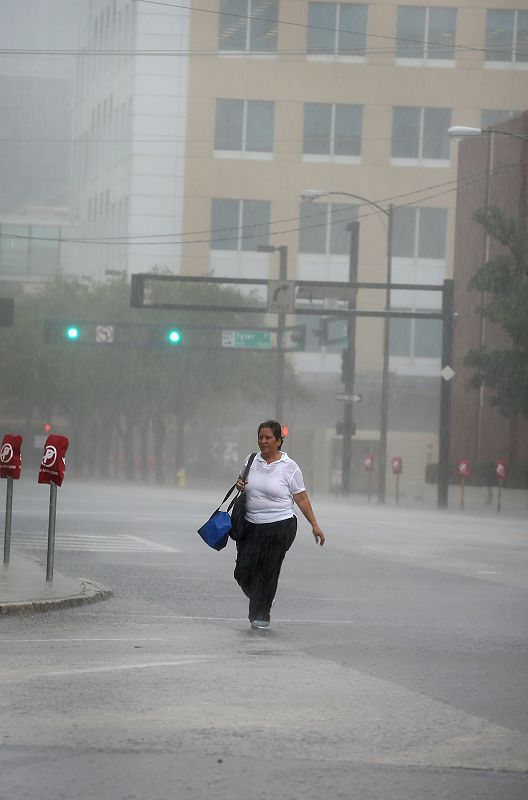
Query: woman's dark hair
275,426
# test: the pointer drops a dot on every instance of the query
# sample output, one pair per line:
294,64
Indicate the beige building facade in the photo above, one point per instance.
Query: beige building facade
345,98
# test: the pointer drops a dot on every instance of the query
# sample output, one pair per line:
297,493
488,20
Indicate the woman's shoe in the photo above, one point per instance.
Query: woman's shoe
259,624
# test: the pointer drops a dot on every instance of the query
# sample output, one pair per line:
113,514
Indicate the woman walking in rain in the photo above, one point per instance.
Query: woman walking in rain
274,483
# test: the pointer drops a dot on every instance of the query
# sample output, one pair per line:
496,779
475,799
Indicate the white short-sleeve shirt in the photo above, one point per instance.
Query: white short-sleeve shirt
270,489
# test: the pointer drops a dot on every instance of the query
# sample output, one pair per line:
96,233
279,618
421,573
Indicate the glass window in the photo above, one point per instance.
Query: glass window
435,137
406,132
337,28
441,33
45,249
412,337
229,124
317,128
239,224
332,129
352,29
420,132
432,232
400,337
260,121
522,36
322,27
323,228
347,130
410,32
248,25
225,224
499,34
425,32
427,338
244,125
14,251
340,217
312,227
403,233
255,223
419,232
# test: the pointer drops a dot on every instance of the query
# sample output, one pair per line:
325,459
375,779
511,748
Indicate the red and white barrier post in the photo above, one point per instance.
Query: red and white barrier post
52,468
368,464
464,473
397,469
501,470
10,468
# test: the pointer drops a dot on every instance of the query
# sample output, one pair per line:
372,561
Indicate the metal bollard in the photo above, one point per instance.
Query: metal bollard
8,517
51,532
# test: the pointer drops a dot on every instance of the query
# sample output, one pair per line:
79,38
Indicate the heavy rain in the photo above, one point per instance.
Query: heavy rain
282,227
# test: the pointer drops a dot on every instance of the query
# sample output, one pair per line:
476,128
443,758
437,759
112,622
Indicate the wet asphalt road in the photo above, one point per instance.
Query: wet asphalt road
395,666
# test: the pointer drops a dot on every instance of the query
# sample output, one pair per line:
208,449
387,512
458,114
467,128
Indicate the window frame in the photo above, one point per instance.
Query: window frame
511,62
332,156
424,60
240,225
243,152
325,210
336,54
250,21
420,160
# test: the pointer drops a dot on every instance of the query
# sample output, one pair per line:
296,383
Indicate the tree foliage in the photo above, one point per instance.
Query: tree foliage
109,398
503,281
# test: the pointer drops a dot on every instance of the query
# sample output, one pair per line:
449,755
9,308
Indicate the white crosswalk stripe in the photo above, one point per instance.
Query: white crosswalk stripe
94,542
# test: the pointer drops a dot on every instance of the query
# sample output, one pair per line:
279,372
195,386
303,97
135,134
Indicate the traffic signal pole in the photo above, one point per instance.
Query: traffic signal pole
281,325
349,360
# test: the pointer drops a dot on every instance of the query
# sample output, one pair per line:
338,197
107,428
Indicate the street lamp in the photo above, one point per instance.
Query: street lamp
459,132
316,194
282,250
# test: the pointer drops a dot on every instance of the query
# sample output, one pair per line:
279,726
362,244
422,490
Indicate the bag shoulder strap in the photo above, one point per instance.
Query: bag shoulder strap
244,477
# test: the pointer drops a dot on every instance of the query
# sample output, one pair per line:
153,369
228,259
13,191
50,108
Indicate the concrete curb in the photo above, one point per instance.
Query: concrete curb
92,593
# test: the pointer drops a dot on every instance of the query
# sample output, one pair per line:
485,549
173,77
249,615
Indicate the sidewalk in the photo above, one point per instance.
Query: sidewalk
24,589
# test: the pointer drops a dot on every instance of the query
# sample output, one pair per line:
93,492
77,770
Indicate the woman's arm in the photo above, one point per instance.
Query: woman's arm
303,501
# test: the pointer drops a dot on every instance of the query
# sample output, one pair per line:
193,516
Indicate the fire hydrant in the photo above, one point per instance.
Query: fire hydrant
181,478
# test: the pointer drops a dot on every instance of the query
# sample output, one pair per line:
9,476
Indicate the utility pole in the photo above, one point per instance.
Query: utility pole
384,416
349,359
445,393
281,324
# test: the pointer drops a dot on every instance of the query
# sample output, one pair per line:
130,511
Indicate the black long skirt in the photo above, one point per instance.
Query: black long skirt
260,553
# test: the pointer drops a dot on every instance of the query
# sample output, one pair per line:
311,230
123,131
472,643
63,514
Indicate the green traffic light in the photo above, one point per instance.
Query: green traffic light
72,332
174,336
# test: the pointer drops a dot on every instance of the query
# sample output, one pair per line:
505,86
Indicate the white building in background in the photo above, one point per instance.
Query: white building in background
129,121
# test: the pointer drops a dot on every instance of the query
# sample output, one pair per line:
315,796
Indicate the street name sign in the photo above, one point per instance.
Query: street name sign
345,397
255,340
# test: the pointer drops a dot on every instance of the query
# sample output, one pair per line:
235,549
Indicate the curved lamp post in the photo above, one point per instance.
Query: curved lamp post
459,132
316,194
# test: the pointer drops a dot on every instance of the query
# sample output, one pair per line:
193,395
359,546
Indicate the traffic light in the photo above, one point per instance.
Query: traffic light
322,331
173,336
72,332
60,332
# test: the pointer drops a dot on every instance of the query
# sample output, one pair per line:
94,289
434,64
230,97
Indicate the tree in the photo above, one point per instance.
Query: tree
112,399
503,282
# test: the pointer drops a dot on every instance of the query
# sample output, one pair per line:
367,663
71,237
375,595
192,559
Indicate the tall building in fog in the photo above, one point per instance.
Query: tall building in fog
129,134
36,93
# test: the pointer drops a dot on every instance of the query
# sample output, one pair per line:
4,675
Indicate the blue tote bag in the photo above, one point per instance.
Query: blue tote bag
215,532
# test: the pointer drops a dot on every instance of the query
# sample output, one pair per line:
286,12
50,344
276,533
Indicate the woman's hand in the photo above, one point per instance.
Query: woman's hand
318,535
240,484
